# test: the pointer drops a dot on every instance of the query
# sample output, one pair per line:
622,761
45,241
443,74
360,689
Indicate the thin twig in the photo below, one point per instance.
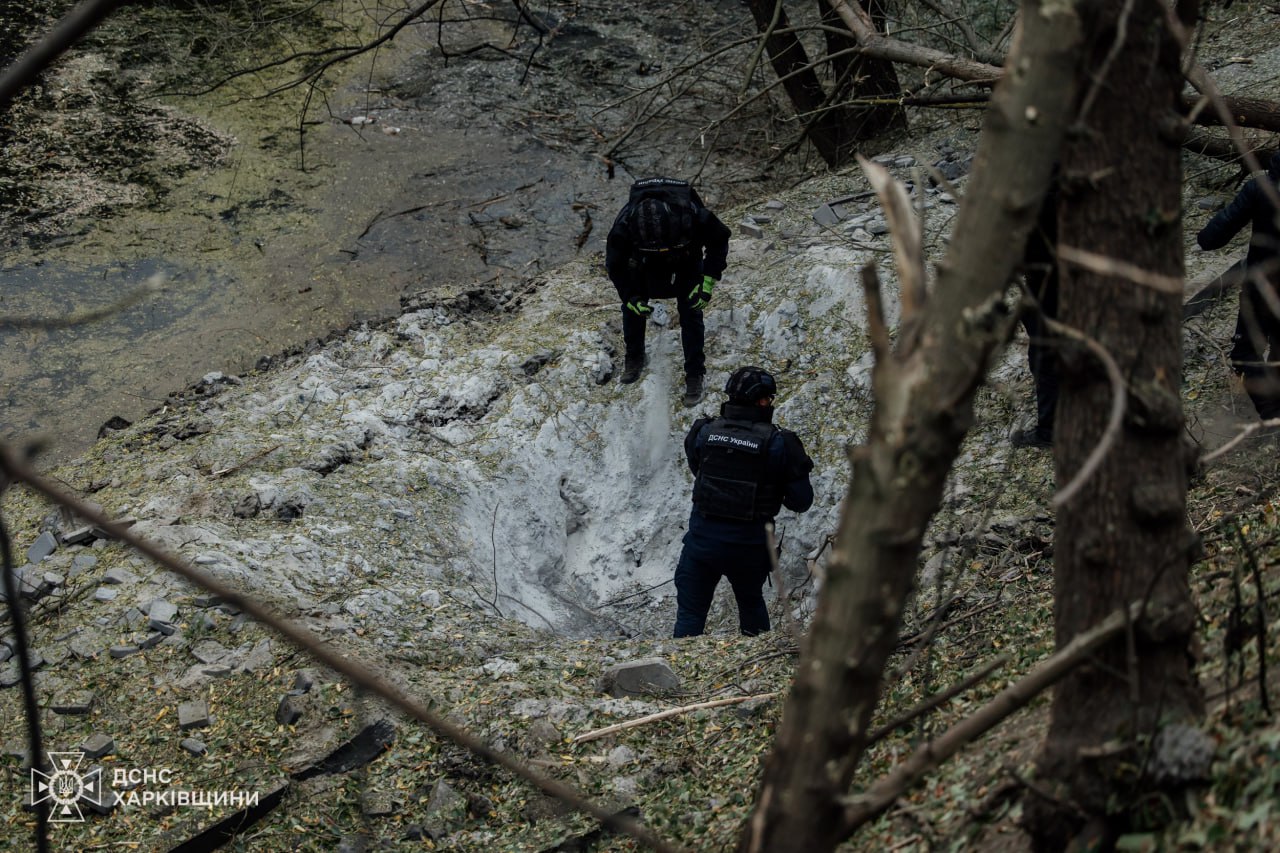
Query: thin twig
927,704
1241,436
1114,421
663,715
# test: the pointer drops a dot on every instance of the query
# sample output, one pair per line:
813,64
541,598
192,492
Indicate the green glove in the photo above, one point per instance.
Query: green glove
640,307
700,296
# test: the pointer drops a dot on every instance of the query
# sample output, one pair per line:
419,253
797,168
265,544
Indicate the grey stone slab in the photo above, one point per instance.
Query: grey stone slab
105,593
97,745
86,647
81,564
209,651
46,543
123,651
206,599
193,714
643,677
826,215
217,670
750,229
78,536
79,702
162,611
119,575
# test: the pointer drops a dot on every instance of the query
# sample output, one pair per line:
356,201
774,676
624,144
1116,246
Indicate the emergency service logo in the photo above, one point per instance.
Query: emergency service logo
65,786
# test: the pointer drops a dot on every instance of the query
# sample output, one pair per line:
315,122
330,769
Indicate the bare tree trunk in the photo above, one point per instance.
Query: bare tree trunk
1125,536
800,80
924,397
862,76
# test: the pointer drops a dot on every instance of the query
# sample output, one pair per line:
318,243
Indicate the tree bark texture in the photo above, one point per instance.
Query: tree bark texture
799,78
834,126
1125,536
924,397
861,76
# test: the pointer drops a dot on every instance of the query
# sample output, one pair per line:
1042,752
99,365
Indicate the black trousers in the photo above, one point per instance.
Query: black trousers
692,333
1254,345
1042,352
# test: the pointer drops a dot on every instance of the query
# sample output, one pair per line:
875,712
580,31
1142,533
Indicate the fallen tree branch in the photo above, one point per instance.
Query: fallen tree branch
865,807
667,714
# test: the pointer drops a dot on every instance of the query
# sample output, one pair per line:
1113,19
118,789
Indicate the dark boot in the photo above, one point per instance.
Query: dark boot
631,369
693,389
1031,438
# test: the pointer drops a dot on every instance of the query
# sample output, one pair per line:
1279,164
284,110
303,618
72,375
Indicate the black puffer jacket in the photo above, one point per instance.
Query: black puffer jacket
638,275
1250,206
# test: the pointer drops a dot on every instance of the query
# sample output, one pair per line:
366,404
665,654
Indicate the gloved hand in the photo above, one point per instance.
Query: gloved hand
700,296
640,307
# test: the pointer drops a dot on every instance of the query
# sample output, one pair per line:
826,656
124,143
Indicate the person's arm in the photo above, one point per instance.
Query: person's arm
617,261
1227,222
797,493
692,450
714,237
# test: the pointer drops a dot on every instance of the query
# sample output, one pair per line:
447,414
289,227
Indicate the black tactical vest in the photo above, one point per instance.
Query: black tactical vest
733,478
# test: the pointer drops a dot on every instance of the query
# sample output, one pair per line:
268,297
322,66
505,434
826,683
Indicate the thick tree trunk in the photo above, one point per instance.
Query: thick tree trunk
800,80
1124,537
924,395
861,76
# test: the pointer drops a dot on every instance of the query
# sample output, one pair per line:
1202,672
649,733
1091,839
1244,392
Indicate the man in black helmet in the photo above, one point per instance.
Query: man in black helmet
1258,321
666,244
745,469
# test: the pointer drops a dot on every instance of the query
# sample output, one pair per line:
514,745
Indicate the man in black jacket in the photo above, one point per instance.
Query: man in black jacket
745,469
1258,321
666,244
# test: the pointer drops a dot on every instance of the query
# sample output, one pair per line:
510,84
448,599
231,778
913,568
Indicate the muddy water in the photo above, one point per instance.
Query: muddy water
261,254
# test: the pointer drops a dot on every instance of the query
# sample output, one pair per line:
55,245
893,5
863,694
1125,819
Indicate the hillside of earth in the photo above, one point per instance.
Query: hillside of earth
463,499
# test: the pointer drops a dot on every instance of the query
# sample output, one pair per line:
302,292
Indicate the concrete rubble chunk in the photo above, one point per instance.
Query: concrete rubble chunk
209,651
78,536
193,714
102,533
97,745
81,564
86,647
162,613
826,216
194,746
46,543
119,575
643,677
79,702
289,711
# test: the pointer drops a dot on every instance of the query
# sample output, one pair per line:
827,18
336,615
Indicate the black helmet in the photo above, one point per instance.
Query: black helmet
749,384
653,226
